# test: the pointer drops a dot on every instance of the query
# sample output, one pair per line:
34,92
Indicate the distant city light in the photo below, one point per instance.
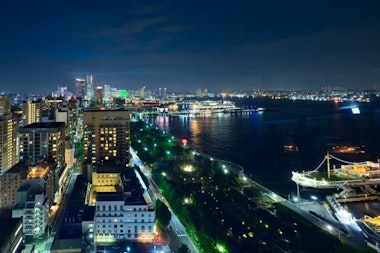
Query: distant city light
123,94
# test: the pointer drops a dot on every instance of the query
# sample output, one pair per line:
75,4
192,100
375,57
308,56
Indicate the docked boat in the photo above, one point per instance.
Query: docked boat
210,106
351,174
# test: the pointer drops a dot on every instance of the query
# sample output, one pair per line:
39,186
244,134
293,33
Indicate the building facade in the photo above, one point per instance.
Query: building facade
106,135
35,216
8,143
45,140
10,182
44,143
118,219
5,105
31,112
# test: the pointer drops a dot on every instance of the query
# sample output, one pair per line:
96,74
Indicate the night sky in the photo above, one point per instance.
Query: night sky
186,45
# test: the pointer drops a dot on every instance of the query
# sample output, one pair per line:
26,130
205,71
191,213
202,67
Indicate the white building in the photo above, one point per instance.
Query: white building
121,217
35,217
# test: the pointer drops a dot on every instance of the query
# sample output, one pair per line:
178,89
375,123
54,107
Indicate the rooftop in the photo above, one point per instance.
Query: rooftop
43,126
39,171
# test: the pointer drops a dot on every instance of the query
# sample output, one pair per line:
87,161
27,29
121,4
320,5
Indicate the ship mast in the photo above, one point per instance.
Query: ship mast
328,164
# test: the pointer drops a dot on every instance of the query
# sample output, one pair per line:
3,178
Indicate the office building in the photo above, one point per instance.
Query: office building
123,209
106,135
89,98
118,217
81,86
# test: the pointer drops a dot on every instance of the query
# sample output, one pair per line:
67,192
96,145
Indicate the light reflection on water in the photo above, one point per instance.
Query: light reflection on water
256,141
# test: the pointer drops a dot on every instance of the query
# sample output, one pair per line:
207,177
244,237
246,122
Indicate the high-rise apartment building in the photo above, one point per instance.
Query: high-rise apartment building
8,143
106,135
5,105
43,141
31,112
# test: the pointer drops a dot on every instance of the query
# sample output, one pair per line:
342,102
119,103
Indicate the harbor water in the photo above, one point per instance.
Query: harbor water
287,136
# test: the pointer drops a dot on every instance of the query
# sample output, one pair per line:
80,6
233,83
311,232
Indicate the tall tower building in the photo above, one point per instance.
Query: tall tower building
107,95
5,105
80,85
106,135
160,92
31,112
90,92
99,95
8,143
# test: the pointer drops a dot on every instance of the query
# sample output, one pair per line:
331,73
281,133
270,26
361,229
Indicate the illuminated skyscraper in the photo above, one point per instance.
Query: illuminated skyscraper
8,143
106,135
31,112
107,95
62,91
80,85
90,92
5,105
99,95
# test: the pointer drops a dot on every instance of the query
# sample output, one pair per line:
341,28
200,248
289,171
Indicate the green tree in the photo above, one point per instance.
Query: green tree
183,249
163,214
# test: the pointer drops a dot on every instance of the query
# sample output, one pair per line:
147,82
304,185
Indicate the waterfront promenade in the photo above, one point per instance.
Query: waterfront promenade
219,204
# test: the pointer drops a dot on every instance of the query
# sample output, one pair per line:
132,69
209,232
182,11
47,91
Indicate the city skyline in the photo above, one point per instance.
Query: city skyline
186,46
